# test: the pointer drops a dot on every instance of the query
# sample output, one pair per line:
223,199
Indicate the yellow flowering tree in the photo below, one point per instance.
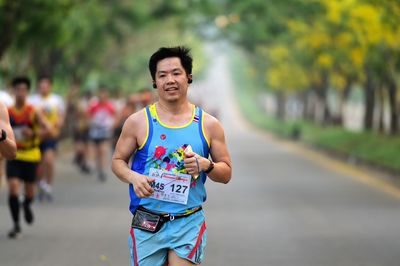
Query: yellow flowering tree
322,45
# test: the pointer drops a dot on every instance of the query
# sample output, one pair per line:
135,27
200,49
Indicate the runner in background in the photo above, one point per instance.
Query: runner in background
81,132
147,97
6,98
26,122
132,101
52,106
118,100
101,121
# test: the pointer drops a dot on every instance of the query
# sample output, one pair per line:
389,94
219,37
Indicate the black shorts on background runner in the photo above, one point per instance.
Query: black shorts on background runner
25,171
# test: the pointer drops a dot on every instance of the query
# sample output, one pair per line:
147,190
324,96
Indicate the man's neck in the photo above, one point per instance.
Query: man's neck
20,104
174,108
174,114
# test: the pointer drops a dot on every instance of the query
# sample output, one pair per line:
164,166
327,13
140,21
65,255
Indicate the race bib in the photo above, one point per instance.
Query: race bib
169,186
18,133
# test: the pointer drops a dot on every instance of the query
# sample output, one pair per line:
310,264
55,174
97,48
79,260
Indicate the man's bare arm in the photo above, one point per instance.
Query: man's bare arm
48,129
127,144
219,153
222,171
8,147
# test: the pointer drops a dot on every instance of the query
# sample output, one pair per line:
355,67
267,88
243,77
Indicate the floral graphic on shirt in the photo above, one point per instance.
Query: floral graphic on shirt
160,151
172,161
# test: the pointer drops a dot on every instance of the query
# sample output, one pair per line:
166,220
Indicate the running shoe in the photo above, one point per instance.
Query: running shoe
102,176
15,233
29,218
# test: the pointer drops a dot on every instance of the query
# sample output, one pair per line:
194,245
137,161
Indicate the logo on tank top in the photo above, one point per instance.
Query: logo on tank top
163,136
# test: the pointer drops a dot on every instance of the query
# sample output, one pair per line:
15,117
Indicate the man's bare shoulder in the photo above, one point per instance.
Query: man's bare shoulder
136,119
135,128
211,125
210,120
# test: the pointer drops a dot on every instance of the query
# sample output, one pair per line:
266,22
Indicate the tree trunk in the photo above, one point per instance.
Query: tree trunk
381,98
344,98
280,112
308,97
12,12
327,110
44,61
369,98
303,97
394,112
322,93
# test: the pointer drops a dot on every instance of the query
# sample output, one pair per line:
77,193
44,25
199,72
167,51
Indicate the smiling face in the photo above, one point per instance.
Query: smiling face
171,80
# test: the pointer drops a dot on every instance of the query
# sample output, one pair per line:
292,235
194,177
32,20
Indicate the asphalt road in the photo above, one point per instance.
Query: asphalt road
284,206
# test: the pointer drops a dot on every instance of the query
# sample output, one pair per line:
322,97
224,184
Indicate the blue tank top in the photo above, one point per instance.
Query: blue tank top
163,149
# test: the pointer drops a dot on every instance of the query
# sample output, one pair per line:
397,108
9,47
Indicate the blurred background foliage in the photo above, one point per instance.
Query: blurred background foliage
319,54
324,71
90,42
303,47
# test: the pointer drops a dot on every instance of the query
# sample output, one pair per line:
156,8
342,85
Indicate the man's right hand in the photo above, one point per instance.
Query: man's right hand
141,185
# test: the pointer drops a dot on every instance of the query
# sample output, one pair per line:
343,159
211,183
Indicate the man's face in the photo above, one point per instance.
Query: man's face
44,87
103,95
21,91
171,79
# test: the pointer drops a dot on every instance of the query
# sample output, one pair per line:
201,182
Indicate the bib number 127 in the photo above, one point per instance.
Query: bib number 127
178,188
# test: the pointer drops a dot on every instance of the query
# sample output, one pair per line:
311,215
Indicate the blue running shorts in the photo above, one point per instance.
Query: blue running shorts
186,236
48,144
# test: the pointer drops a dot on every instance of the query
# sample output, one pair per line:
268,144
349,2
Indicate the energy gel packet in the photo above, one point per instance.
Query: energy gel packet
189,149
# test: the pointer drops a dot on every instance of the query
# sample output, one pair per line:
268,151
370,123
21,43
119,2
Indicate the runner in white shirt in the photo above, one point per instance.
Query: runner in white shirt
52,105
6,98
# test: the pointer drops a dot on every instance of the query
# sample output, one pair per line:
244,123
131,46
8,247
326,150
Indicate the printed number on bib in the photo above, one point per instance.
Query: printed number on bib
169,186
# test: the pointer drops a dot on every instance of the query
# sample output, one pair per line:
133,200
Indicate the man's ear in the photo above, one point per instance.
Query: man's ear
154,85
190,78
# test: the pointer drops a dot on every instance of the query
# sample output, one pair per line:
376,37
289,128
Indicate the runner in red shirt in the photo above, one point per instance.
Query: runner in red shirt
101,120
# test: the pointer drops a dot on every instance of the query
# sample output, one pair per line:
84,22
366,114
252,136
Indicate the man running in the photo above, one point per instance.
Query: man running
171,142
129,108
81,132
6,98
101,121
26,122
52,106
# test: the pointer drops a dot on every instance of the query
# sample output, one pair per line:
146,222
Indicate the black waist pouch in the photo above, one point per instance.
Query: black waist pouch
149,221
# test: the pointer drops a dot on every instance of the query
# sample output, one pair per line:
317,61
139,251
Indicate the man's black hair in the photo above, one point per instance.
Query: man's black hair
45,76
183,53
103,87
21,80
